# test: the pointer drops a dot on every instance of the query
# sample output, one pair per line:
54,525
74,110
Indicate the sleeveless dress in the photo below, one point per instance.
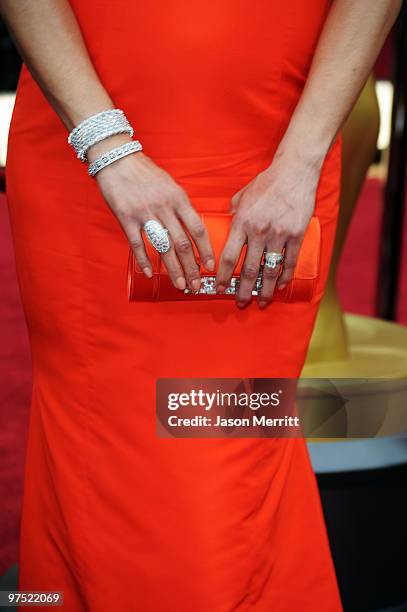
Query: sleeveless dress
114,516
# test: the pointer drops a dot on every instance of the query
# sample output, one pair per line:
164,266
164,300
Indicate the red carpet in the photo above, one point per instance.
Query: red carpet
15,376
358,269
356,283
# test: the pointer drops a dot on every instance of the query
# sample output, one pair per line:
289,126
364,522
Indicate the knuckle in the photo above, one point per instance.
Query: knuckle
136,243
140,256
160,205
192,271
271,273
279,233
258,228
125,214
250,271
296,233
182,244
198,230
143,262
228,261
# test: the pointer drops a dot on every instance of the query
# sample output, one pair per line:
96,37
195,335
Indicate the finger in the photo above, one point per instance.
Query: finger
174,269
183,250
250,270
234,203
199,234
137,244
292,250
229,258
270,275
170,261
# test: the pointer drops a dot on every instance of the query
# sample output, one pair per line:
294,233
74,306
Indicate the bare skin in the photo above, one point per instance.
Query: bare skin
274,209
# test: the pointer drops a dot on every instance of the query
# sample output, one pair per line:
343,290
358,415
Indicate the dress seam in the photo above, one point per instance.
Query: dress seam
83,553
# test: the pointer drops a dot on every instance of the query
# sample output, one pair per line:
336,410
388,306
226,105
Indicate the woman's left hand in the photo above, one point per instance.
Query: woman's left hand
271,212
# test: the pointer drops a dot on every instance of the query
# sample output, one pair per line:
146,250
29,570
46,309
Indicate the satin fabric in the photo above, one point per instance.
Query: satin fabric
112,515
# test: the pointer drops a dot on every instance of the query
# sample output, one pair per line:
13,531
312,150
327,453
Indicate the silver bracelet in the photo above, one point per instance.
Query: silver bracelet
113,155
96,128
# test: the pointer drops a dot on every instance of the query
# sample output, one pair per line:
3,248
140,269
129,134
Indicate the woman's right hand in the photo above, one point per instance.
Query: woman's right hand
136,189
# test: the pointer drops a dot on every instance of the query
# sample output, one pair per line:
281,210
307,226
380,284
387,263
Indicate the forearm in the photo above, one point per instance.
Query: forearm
50,42
351,39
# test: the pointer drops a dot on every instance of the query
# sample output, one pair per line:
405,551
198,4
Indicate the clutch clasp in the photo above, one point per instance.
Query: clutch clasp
208,285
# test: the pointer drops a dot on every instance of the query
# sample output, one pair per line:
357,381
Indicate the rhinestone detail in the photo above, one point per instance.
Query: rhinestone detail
208,285
272,260
97,128
157,235
114,155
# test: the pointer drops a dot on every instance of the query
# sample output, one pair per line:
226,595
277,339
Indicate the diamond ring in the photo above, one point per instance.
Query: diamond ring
272,260
157,235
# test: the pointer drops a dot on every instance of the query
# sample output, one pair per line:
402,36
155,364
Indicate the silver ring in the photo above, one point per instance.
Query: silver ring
272,259
157,235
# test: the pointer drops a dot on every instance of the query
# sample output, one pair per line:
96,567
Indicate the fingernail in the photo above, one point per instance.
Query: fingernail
196,284
262,304
180,282
210,264
220,288
241,304
148,272
282,286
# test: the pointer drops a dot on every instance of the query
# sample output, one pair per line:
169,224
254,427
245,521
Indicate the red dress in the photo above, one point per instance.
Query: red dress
114,516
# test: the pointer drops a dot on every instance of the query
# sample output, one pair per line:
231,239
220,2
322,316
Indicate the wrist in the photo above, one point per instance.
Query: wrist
304,150
295,157
307,140
106,145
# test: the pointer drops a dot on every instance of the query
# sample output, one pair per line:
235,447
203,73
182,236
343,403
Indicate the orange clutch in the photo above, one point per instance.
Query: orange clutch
301,288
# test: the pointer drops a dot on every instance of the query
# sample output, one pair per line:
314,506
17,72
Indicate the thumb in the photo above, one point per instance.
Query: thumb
234,203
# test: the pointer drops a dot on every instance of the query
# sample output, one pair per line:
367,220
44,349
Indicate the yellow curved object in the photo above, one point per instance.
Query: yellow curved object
375,349
329,340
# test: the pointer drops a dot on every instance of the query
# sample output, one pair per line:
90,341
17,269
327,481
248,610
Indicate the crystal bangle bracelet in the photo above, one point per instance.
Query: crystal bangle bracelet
114,155
96,128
